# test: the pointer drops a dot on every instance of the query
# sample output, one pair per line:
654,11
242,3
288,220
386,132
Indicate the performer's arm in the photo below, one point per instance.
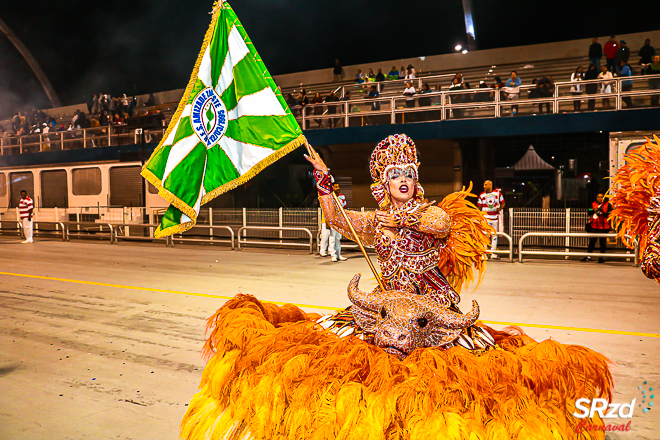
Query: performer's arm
431,220
364,223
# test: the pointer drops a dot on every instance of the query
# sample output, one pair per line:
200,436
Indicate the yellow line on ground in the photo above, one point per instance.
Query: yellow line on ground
312,306
149,289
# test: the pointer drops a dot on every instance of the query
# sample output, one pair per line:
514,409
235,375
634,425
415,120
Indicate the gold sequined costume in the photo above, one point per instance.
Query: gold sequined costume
430,241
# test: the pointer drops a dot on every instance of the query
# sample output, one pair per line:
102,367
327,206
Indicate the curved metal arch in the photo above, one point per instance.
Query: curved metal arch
41,76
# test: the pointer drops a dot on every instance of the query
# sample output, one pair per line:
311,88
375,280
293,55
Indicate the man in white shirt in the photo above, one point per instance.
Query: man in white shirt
331,239
491,203
25,208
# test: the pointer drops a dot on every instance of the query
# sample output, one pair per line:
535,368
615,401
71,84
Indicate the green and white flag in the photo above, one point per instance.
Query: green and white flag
231,123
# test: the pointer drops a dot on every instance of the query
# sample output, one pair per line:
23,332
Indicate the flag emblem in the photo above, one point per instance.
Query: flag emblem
209,117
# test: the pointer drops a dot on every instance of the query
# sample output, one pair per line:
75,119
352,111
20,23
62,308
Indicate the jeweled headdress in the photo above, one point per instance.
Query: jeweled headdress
396,151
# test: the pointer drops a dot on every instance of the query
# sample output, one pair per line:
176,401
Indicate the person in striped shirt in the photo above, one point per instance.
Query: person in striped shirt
25,207
491,203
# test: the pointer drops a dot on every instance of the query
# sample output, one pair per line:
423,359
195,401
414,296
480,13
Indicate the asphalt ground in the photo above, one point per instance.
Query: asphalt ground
101,341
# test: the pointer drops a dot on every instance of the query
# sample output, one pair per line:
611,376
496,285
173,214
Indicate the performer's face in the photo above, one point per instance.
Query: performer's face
402,185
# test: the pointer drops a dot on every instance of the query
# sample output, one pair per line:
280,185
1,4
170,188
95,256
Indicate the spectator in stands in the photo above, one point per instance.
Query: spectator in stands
605,87
595,53
437,96
161,116
576,89
103,118
151,100
626,86
546,89
131,106
371,74
425,101
410,72
533,93
592,88
610,49
332,109
302,100
402,73
359,77
105,104
317,100
409,93
456,98
379,76
654,84
292,103
646,53
623,54
336,71
512,89
598,224
393,75
16,122
95,103
482,96
497,83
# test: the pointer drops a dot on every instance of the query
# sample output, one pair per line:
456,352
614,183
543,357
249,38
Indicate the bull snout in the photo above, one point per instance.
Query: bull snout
398,336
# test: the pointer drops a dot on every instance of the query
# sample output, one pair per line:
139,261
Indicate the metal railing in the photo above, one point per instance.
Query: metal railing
211,239
280,241
568,253
121,231
89,230
508,252
76,139
57,231
483,103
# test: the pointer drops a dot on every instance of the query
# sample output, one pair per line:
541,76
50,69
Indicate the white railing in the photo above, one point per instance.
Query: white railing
76,139
482,103
551,232
568,253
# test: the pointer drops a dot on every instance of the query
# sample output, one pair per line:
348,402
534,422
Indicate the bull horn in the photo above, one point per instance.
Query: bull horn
357,297
452,320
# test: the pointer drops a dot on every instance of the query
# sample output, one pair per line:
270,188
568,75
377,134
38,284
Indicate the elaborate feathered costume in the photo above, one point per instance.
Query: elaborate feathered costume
636,200
410,365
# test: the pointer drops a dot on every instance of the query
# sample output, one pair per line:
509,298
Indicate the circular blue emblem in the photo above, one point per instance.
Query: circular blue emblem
209,117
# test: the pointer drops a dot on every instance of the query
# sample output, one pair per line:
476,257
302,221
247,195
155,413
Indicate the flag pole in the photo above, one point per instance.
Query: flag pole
350,226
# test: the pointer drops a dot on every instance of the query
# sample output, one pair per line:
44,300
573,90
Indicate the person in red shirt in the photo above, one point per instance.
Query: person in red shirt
598,224
610,49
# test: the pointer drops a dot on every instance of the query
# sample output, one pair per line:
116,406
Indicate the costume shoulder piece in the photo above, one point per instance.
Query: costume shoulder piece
636,201
466,245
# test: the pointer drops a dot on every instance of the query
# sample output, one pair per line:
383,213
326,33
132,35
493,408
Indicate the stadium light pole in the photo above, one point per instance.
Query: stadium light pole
469,25
34,65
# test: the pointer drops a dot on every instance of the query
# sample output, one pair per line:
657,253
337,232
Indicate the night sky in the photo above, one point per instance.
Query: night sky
143,46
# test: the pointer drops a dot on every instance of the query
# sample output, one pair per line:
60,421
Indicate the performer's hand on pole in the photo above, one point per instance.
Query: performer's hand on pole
315,159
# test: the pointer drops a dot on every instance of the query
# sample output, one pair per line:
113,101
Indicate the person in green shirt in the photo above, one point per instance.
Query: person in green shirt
394,74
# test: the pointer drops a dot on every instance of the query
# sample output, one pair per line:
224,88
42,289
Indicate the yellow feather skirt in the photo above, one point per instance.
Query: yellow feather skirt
274,373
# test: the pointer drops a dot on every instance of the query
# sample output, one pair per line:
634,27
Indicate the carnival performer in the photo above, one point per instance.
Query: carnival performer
636,200
417,243
275,373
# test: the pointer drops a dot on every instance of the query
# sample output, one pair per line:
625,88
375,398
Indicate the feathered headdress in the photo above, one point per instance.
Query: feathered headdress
397,150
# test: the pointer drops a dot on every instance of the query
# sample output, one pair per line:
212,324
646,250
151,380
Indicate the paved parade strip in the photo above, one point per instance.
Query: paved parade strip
316,306
103,341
